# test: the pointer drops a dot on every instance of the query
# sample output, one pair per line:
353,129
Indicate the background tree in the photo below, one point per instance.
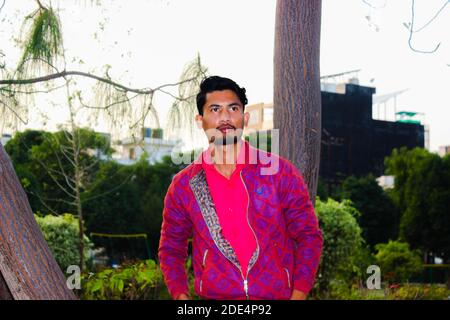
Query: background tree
379,219
19,150
422,184
137,205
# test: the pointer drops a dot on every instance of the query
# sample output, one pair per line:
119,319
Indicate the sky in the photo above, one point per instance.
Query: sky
148,43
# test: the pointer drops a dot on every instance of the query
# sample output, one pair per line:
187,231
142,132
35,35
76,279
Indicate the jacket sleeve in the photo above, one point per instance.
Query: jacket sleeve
173,246
302,227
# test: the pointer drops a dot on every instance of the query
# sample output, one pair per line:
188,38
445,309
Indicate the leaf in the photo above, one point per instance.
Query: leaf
97,286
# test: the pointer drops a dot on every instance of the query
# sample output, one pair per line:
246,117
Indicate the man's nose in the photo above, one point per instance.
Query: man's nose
225,115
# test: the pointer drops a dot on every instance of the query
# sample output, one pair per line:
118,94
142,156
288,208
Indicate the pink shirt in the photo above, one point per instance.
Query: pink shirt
231,201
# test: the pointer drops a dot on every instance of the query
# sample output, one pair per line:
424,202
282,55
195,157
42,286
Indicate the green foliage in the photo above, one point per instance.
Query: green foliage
44,38
422,193
419,292
344,256
19,147
138,281
397,262
43,163
62,236
138,191
379,219
400,292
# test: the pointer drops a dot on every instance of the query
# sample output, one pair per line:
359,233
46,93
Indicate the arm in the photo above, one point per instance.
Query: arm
302,226
173,246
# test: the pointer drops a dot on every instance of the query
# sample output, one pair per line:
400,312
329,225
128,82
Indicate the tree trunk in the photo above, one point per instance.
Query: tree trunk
27,267
297,102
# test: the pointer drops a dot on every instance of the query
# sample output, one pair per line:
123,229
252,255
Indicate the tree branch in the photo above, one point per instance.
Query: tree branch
411,28
15,113
65,73
432,19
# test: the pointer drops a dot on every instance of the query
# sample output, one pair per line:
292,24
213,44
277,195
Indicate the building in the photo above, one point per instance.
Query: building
443,150
353,143
151,142
5,138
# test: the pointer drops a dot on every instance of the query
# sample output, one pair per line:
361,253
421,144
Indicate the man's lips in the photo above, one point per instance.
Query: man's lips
225,128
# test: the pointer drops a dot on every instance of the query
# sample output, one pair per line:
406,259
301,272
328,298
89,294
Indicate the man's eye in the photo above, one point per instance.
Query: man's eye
215,109
234,108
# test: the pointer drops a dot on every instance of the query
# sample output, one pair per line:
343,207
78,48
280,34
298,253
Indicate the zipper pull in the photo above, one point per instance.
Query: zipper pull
246,288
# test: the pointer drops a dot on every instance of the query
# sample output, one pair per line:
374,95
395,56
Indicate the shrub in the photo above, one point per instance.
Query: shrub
397,262
420,292
139,281
344,256
62,236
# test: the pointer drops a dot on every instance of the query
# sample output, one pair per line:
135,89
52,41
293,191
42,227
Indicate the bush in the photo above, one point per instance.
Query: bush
139,281
397,262
420,292
62,236
345,257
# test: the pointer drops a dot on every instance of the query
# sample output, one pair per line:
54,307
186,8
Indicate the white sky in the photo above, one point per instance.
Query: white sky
147,43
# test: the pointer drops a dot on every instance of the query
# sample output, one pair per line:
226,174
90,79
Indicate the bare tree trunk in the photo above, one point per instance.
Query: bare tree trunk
78,201
27,267
297,102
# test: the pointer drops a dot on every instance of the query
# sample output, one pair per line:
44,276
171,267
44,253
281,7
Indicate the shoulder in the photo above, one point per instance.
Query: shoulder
182,178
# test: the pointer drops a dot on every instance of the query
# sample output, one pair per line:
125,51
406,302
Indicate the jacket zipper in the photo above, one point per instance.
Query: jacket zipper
288,277
254,234
204,257
238,267
203,264
245,279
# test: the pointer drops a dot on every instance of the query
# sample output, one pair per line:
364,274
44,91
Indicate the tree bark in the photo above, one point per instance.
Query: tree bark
27,267
297,102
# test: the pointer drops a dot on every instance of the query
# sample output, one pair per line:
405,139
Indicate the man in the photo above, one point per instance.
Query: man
254,231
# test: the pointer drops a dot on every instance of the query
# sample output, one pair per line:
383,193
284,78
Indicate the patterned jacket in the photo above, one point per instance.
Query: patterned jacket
280,213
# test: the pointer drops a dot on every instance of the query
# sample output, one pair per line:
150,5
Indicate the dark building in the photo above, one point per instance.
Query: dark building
355,144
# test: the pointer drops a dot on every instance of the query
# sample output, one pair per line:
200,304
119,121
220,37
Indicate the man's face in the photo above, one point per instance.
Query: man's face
223,117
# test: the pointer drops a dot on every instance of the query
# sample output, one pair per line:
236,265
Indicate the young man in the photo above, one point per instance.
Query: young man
254,231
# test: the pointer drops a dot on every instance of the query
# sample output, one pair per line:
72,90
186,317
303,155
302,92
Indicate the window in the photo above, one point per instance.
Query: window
132,154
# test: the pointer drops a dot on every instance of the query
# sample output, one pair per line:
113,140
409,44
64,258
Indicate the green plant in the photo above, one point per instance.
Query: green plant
344,256
139,281
61,234
419,292
397,262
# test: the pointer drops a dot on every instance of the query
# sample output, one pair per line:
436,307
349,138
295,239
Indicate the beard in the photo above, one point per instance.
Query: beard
231,138
225,140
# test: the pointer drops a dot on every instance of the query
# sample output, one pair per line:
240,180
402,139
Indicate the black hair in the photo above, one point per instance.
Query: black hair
216,83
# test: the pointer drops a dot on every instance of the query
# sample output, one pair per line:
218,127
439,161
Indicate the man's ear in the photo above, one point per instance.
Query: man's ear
246,118
199,121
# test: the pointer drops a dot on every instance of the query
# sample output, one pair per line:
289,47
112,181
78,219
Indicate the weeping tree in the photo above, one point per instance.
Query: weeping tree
182,112
27,268
297,102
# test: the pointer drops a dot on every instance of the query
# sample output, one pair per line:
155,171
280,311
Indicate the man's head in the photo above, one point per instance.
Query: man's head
221,104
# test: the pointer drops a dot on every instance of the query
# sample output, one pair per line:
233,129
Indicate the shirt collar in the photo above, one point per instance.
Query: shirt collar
241,161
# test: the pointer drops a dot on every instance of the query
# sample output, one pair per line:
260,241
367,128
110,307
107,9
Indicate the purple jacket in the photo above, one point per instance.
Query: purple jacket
280,213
